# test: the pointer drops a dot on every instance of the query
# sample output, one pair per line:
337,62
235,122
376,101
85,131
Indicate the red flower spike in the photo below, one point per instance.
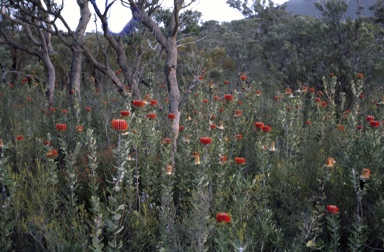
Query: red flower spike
205,101
258,92
138,103
239,136
153,102
79,128
223,217
205,140
19,137
223,159
61,127
181,128
240,160
226,82
374,124
312,90
88,109
119,124
213,126
340,127
166,140
267,128
52,153
360,76
331,75
216,98
243,78
332,209
308,122
359,127
64,111
151,116
369,118
171,116
366,173
228,97
259,125
125,113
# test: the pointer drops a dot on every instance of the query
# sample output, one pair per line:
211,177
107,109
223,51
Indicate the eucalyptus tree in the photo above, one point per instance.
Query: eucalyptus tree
142,11
16,23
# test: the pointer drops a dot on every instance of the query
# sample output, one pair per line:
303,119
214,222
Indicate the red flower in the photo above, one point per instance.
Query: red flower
332,209
238,113
259,125
213,126
64,111
317,99
369,118
267,128
361,96
205,140
312,90
52,153
239,136
61,126
331,75
374,124
213,117
153,102
119,124
366,173
288,91
226,82
228,97
243,78
88,109
19,137
52,109
200,77
151,116
239,160
276,98
359,127
223,159
79,128
216,98
205,100
308,122
29,99
258,92
360,76
166,140
323,104
171,116
138,103
181,128
125,113
223,217
340,127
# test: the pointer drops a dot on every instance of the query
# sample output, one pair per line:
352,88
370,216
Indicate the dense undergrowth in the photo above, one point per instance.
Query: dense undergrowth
85,186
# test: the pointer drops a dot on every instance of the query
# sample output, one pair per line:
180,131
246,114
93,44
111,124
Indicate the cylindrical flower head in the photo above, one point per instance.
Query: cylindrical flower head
119,124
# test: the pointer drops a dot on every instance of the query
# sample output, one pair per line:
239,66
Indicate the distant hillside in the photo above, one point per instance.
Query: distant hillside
307,8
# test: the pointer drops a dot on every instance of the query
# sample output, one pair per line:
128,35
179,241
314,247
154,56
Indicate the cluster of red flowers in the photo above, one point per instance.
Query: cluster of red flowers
261,126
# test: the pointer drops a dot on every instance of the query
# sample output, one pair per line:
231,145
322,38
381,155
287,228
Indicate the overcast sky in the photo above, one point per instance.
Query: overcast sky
217,10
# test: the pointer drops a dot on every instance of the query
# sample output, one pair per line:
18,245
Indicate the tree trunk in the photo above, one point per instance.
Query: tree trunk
77,52
173,88
51,78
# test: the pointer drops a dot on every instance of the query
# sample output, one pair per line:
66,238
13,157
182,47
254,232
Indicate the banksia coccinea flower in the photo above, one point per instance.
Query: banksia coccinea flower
119,125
